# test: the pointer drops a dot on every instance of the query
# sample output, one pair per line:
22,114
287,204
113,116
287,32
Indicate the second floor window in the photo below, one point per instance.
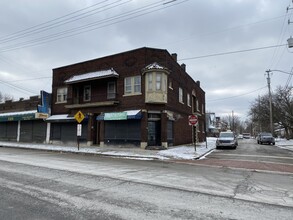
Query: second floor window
188,100
132,85
156,82
62,95
111,90
159,81
181,95
87,93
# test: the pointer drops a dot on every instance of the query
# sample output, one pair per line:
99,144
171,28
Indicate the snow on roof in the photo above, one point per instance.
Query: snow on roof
18,113
132,112
92,76
59,117
154,65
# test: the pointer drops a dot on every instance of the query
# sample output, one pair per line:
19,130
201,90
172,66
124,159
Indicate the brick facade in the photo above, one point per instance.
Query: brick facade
172,115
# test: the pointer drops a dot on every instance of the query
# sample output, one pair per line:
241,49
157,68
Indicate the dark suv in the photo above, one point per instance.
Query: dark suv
265,138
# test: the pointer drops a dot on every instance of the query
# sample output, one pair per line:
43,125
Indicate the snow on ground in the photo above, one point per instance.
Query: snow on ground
184,152
188,152
285,144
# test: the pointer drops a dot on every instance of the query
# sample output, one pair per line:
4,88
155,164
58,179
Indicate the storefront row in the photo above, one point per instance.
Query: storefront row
136,128
139,128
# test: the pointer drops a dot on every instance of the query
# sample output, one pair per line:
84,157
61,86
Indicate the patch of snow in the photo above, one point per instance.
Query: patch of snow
18,113
154,65
92,75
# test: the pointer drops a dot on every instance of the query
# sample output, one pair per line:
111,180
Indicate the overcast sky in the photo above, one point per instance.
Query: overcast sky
39,35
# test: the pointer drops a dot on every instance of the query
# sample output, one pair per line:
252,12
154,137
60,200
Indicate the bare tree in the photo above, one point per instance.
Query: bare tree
282,111
234,123
5,97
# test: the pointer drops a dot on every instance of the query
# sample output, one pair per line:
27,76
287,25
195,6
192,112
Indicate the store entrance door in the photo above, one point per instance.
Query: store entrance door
154,133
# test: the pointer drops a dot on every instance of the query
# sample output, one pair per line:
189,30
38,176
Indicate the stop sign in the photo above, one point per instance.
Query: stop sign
193,120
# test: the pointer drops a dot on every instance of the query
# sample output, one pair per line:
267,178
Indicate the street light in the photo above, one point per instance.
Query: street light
270,95
290,42
270,100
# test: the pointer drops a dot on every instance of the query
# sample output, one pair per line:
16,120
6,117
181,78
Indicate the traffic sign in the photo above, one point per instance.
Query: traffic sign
193,120
79,116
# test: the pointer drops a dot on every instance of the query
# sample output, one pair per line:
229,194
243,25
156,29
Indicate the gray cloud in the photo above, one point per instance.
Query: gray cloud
193,28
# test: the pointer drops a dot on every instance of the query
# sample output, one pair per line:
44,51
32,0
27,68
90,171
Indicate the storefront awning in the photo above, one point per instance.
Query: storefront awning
60,118
125,115
18,116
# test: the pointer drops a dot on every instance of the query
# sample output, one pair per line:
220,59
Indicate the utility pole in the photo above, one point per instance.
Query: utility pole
270,100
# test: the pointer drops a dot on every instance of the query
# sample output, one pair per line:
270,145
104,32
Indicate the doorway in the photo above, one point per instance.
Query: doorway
154,133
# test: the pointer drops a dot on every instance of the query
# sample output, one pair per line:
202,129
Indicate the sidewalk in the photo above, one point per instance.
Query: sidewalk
186,152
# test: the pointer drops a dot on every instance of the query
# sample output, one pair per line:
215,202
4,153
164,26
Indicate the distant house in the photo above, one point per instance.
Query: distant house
141,97
23,120
211,125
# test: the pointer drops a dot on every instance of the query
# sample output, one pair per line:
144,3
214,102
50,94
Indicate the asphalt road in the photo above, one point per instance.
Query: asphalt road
50,185
250,155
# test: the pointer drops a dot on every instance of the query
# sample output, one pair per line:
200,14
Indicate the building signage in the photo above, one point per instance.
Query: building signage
45,106
18,117
115,116
41,115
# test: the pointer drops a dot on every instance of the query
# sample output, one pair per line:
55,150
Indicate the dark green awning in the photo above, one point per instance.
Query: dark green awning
18,116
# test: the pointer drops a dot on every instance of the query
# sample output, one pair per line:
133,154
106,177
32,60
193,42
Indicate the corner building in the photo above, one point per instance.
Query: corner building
141,97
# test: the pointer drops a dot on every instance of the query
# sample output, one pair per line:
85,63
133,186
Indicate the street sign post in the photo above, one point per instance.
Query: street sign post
193,121
79,116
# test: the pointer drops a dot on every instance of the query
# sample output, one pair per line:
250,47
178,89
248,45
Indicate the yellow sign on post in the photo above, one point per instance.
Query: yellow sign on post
79,116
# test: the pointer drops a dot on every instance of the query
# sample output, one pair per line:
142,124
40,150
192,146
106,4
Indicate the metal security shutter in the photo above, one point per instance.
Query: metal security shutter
11,129
26,131
123,131
56,131
39,131
170,132
3,131
68,132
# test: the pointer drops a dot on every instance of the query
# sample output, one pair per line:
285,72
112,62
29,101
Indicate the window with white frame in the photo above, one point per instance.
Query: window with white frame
188,100
158,81
62,95
111,90
181,95
87,93
150,81
132,85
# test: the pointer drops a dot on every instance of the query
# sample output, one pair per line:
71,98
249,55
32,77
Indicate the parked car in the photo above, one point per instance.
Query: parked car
240,136
246,135
227,139
265,138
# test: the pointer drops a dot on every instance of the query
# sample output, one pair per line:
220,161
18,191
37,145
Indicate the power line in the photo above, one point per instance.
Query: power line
55,22
151,8
236,96
232,52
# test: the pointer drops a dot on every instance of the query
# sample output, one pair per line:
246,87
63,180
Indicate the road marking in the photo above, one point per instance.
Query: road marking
246,155
268,162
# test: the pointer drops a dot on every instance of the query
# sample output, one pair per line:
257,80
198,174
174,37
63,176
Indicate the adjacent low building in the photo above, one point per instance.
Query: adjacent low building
141,97
24,120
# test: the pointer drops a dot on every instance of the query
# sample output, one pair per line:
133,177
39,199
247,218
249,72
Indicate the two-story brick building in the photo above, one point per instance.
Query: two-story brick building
141,97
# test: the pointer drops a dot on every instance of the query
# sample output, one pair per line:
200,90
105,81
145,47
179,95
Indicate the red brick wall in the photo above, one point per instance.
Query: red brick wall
131,63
